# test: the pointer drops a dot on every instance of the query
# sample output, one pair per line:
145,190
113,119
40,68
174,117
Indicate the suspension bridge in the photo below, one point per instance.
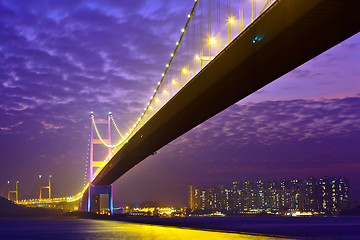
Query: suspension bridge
226,51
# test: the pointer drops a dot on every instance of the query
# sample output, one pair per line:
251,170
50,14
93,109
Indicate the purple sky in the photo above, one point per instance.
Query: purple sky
61,59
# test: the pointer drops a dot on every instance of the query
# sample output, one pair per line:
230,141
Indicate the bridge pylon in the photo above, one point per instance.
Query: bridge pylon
16,191
45,187
94,192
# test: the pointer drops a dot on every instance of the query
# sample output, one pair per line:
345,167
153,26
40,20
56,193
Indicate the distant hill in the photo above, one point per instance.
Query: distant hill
9,209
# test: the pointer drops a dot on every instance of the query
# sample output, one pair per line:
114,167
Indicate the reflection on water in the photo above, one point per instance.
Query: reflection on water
101,229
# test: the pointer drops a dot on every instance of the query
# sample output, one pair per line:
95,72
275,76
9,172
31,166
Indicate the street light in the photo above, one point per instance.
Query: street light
211,42
195,59
231,20
183,71
173,82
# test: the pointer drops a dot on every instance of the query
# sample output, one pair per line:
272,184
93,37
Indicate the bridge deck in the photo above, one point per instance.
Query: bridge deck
291,33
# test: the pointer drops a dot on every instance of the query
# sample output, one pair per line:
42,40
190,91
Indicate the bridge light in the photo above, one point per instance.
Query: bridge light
173,82
157,100
197,57
164,91
155,91
182,30
189,15
256,39
162,74
231,20
172,54
167,65
184,70
110,113
211,40
158,83
39,176
177,43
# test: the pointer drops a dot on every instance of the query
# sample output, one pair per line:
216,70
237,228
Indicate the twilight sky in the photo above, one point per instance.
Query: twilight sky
61,59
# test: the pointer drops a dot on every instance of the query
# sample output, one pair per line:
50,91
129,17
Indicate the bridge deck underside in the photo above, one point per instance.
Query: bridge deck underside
291,32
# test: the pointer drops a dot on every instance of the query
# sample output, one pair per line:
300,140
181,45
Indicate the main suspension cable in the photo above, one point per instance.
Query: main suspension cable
101,139
116,127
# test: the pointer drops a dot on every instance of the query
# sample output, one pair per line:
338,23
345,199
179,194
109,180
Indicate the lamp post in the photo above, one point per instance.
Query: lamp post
173,82
195,59
231,20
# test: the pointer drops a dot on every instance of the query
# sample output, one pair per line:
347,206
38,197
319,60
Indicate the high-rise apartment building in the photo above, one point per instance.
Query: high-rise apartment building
340,193
296,194
259,195
323,195
311,195
272,195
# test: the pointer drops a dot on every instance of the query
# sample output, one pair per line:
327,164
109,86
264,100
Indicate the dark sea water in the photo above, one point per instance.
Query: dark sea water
342,228
268,227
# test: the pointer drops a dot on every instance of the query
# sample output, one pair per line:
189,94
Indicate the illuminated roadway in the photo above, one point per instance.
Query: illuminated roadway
287,35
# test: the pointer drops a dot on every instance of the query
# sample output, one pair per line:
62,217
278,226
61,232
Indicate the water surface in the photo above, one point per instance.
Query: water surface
56,229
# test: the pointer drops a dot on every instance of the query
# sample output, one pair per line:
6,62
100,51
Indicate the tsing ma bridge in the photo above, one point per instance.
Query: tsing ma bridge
226,51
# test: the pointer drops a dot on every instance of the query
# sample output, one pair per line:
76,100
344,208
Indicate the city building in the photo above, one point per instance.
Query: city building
327,194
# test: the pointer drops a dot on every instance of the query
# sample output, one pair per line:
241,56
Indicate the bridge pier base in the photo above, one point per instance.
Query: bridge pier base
94,198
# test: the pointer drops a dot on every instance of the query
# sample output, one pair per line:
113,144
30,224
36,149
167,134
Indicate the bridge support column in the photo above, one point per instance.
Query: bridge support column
95,192
94,198
16,191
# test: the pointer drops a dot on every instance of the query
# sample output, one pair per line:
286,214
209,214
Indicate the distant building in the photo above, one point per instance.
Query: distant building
191,198
327,194
341,198
334,193
204,199
296,194
325,190
259,195
284,194
311,195
272,195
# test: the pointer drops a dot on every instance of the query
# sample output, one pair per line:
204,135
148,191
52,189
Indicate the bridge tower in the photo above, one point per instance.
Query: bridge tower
45,187
94,192
16,191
